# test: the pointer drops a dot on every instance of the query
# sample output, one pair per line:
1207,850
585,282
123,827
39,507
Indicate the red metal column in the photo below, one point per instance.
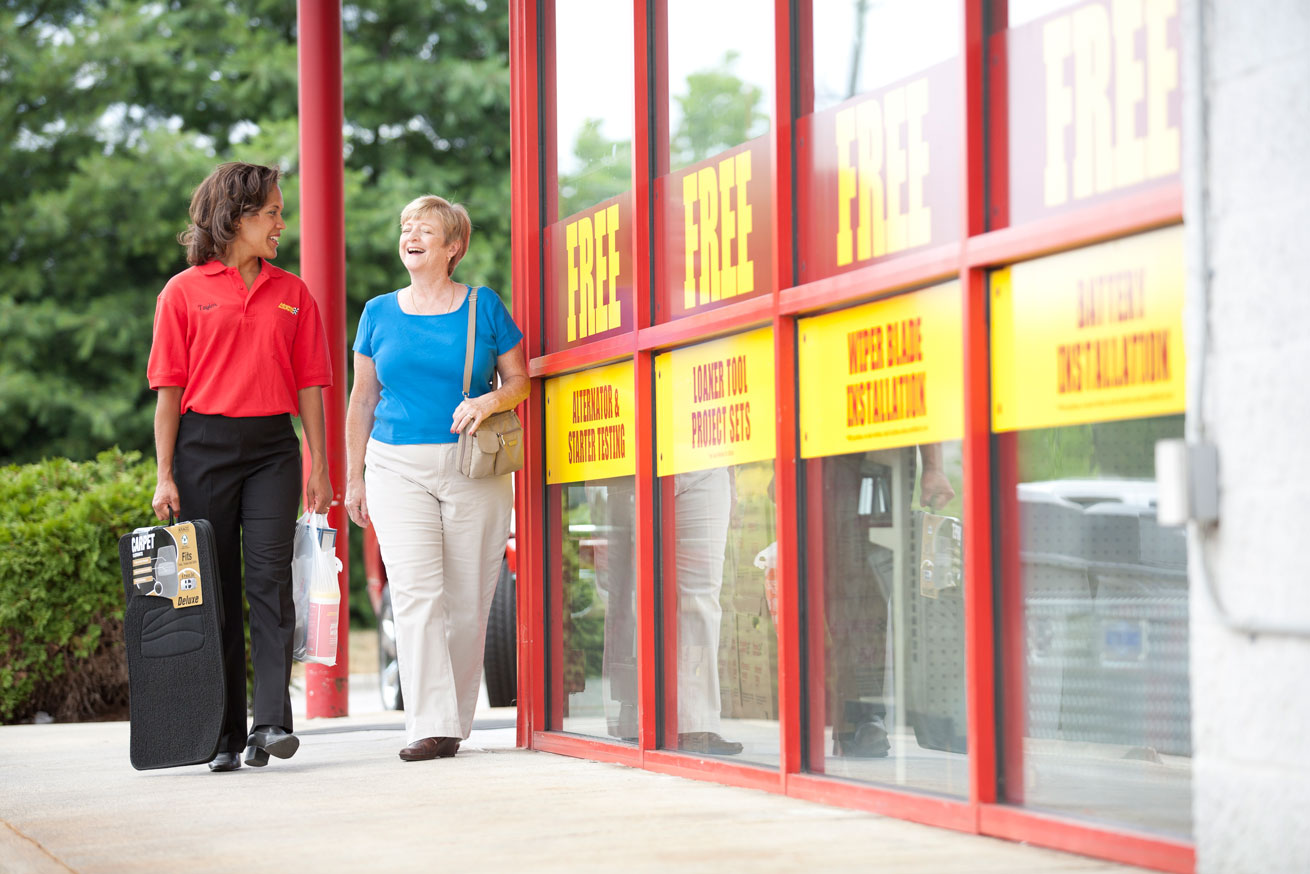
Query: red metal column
787,458
525,247
323,267
979,638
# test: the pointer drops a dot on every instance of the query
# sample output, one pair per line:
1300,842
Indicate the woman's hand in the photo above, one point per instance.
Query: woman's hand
318,490
357,503
470,413
935,489
166,502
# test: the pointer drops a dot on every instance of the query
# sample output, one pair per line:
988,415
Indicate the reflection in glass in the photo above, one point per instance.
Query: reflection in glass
721,536
1105,713
597,619
863,45
887,623
593,108
720,63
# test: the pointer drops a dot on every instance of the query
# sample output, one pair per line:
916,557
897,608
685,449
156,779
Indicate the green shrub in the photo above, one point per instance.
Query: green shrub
61,591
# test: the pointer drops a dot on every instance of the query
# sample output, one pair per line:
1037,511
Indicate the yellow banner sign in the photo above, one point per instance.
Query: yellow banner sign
1090,335
885,374
589,424
714,404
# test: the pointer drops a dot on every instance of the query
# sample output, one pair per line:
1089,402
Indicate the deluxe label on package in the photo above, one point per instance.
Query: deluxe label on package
165,564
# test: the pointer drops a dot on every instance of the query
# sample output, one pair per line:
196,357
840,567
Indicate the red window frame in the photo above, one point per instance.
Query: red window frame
978,251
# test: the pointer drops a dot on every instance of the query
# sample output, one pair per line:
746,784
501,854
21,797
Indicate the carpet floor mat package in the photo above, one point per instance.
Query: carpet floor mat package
174,644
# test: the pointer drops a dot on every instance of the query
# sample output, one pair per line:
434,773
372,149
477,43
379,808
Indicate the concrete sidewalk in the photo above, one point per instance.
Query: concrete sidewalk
70,801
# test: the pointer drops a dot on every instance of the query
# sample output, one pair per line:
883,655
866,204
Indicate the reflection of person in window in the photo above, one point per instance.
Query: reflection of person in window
613,507
858,583
702,505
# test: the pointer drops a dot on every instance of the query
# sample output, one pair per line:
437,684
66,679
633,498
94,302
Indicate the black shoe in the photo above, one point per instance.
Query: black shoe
868,741
708,742
225,762
270,740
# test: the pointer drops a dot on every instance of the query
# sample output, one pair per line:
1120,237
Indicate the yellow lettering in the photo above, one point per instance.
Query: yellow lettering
845,123
727,228
1093,159
745,223
919,216
893,112
570,259
690,239
1162,150
709,238
612,223
587,293
1129,148
600,315
1059,109
872,239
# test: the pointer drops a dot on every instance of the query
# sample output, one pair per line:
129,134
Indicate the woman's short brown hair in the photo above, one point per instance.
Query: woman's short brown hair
231,191
453,218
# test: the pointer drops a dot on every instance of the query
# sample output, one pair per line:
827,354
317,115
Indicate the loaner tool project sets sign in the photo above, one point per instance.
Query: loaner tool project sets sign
715,404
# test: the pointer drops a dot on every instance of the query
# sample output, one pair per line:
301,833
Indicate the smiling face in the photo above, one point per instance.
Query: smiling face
423,248
257,234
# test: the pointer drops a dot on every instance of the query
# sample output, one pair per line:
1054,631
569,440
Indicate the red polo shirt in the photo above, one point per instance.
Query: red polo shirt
238,351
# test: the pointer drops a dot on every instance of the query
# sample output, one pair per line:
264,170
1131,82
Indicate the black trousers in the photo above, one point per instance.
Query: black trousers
243,475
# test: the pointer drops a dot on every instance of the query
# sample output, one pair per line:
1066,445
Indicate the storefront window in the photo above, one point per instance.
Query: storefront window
589,275
712,188
860,47
878,140
715,445
881,418
592,588
1102,588
1087,374
1093,102
592,103
595,609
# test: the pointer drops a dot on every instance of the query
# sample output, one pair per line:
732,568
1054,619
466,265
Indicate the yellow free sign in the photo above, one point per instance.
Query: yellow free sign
882,375
1091,335
589,424
714,404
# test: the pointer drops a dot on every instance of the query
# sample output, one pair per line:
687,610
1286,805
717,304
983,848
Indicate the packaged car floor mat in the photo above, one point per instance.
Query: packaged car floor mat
933,600
172,628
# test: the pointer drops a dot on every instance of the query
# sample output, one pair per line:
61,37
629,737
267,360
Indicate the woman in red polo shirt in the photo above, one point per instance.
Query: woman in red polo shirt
238,350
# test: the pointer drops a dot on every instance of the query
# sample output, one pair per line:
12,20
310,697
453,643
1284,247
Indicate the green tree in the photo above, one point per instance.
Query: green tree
118,109
719,111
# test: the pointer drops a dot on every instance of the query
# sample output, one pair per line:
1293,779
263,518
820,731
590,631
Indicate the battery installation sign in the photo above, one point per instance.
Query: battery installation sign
1090,335
885,374
715,404
589,425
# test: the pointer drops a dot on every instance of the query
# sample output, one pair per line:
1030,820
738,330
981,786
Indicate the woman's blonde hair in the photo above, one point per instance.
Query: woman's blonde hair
453,218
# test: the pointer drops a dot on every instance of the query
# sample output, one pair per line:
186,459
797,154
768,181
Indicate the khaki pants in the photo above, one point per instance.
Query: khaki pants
442,537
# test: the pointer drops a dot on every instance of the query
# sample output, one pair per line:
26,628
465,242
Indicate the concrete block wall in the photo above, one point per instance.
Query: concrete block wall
1246,170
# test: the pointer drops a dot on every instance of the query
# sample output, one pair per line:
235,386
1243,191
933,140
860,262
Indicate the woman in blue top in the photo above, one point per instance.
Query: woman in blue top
442,534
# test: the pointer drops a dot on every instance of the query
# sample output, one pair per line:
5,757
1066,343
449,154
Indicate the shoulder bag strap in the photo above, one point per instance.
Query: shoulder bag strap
473,332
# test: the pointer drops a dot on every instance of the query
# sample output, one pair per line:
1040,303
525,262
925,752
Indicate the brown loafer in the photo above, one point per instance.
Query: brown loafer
430,748
708,742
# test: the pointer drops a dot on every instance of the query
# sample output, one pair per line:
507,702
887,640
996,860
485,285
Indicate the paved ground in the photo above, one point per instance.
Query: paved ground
69,801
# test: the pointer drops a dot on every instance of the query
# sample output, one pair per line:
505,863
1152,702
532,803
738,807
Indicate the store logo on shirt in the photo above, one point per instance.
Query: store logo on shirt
205,307
289,308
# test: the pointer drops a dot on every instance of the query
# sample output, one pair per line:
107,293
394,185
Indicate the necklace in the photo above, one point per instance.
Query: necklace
413,302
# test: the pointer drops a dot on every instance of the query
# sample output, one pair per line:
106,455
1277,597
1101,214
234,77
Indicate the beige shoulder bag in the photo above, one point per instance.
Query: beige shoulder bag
496,448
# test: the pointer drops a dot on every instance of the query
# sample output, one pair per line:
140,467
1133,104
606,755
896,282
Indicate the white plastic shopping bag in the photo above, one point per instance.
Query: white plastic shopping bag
314,573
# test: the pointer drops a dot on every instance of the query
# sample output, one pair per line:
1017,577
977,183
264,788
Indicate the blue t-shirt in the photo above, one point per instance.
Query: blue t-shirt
420,363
